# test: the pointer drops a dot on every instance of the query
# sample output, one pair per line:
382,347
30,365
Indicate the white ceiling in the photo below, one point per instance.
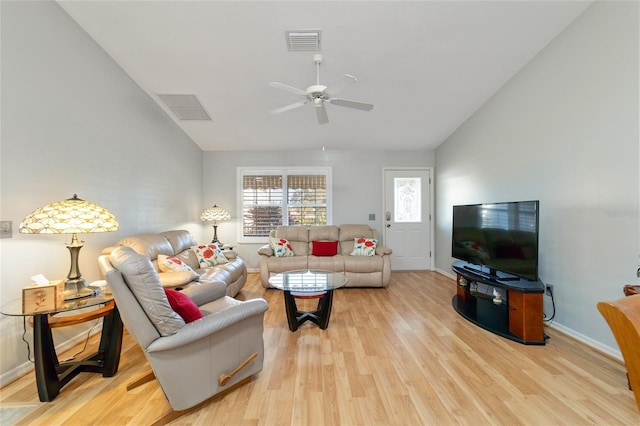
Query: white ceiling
425,65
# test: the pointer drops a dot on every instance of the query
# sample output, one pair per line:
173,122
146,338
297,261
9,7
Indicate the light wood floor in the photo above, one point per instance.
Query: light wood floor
396,356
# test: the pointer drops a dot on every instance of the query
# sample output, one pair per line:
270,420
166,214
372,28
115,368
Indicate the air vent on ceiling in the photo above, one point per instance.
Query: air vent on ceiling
185,107
303,40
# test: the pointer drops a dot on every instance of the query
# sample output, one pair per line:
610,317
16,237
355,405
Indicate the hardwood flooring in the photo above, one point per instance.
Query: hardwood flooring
396,356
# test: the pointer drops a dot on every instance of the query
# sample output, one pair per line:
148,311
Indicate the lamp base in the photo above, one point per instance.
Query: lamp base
77,289
215,239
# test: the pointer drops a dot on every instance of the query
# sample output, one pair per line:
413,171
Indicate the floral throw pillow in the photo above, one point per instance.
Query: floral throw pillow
281,247
209,255
364,247
172,264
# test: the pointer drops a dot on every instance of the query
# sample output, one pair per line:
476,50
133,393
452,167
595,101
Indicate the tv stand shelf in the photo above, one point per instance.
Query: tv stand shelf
519,317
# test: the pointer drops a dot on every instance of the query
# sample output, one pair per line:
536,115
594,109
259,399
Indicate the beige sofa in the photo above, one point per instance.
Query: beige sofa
362,271
178,243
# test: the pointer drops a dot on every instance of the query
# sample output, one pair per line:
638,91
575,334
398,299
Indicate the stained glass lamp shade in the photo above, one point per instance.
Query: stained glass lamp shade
216,215
72,216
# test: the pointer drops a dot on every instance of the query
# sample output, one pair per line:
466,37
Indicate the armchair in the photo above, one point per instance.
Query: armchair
195,361
623,317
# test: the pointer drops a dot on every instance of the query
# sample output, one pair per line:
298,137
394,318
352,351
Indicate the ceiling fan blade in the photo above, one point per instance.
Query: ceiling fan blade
321,114
351,104
343,83
288,88
288,107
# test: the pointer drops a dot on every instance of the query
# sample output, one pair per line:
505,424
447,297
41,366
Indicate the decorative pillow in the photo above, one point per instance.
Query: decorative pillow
183,305
189,258
324,248
209,255
364,247
281,247
172,264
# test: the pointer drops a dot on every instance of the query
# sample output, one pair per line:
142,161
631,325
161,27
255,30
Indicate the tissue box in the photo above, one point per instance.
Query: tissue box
42,298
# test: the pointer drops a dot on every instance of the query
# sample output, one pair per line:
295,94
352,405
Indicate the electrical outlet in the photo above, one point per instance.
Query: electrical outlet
549,290
6,229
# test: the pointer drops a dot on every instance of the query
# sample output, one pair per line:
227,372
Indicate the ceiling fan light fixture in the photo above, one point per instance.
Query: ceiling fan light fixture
318,93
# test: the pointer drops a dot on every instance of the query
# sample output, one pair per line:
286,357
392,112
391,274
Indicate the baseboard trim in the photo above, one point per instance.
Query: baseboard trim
445,273
594,344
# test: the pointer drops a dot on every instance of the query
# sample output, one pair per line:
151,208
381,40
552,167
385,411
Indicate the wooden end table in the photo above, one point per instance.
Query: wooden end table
52,375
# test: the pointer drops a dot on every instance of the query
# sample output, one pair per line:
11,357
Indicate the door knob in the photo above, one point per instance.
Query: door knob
388,225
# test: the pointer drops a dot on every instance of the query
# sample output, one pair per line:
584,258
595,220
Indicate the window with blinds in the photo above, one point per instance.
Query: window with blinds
290,197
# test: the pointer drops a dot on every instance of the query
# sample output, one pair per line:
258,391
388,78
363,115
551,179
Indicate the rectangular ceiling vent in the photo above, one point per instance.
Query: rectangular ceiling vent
303,40
185,107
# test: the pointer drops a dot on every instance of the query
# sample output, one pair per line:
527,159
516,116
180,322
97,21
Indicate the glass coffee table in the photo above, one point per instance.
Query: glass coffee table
308,284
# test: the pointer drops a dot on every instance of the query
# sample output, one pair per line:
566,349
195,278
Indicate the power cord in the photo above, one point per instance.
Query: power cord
24,333
553,304
72,357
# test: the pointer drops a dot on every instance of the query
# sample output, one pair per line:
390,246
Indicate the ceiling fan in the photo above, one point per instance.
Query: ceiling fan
318,94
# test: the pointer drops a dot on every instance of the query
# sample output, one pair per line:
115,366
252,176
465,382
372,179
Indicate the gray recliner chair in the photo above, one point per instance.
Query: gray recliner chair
195,361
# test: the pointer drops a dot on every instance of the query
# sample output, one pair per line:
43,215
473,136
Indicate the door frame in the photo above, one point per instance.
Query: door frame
432,254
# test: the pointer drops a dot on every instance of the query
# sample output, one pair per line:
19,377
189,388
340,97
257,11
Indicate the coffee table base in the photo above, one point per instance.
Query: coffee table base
320,316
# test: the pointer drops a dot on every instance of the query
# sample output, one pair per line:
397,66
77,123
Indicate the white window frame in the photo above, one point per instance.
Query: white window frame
283,171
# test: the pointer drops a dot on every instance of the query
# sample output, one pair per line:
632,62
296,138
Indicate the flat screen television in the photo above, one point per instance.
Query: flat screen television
502,237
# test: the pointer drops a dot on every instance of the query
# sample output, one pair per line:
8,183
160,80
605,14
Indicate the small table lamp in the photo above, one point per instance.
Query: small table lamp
72,216
215,214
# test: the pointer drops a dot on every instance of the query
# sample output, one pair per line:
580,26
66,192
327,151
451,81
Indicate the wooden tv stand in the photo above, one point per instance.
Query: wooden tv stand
519,317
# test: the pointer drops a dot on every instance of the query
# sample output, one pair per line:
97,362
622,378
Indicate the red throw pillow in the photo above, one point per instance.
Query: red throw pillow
183,305
324,248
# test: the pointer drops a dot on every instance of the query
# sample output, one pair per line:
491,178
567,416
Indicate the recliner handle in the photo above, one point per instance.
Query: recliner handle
224,378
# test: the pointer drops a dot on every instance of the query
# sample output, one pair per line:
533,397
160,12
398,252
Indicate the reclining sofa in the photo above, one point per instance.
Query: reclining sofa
178,244
361,270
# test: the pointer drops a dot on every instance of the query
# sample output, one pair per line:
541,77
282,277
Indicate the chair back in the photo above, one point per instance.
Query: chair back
140,297
132,314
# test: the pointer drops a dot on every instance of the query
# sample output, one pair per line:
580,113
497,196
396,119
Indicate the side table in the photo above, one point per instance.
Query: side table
51,375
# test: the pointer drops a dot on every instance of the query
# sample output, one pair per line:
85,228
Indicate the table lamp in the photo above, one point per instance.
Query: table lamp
72,216
216,215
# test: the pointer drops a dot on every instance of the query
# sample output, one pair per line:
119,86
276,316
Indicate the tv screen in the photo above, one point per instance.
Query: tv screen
499,236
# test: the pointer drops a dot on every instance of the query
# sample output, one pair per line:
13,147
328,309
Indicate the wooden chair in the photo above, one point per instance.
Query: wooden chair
623,317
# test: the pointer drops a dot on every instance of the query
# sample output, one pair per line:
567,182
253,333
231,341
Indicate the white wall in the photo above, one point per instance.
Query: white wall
74,122
357,183
564,131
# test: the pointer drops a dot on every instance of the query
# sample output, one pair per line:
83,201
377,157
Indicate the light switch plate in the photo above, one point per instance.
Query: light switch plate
6,227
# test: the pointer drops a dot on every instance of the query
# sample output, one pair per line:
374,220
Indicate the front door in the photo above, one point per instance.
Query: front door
407,218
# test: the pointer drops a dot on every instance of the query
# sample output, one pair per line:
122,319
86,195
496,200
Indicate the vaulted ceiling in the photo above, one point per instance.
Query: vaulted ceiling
427,66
